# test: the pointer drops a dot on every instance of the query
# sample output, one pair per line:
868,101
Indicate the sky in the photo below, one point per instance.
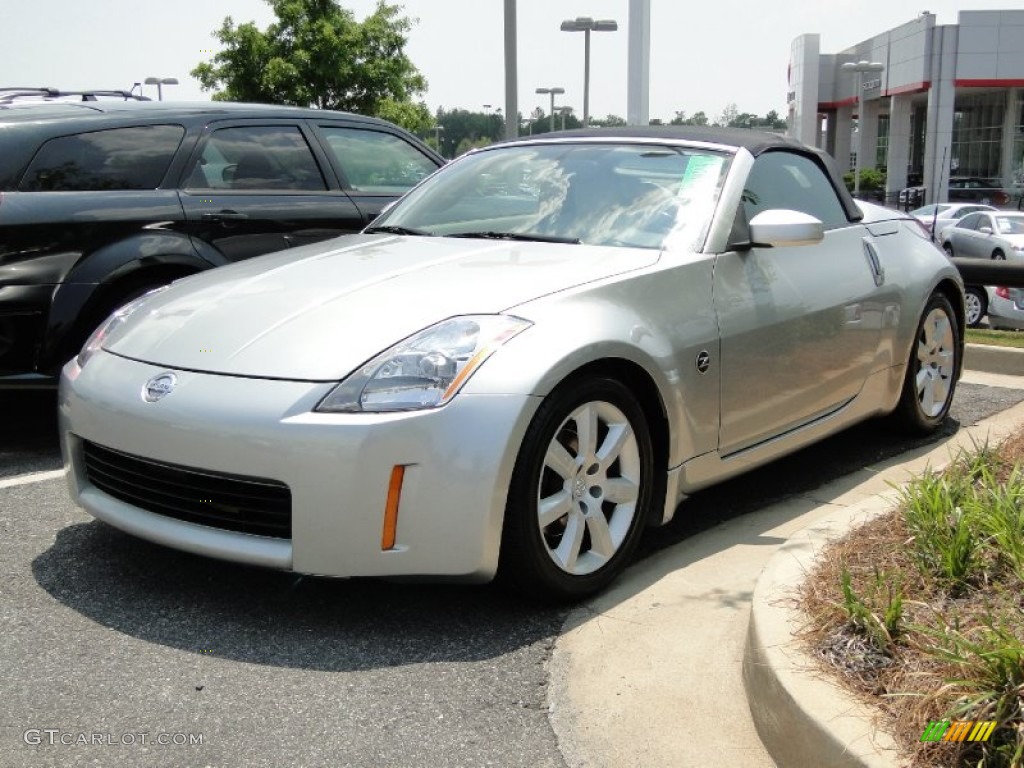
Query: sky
705,54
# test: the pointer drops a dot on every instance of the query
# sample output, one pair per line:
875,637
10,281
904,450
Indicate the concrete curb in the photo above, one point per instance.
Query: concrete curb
991,359
801,718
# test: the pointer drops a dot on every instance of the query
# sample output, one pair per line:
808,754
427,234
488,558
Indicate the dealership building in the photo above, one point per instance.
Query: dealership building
937,100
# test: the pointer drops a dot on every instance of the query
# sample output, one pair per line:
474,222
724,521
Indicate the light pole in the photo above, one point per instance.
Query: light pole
586,25
437,137
565,111
552,91
160,82
860,67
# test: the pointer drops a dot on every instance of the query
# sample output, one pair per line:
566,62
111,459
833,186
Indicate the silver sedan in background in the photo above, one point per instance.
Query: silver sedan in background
1006,308
535,355
985,235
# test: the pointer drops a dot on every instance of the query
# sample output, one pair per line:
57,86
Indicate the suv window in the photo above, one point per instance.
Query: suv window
119,158
376,162
792,181
275,157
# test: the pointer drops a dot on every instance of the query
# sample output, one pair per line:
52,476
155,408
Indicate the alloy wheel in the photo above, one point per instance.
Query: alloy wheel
589,487
972,305
936,358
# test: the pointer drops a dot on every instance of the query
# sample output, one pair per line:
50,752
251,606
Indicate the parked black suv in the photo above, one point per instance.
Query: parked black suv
101,201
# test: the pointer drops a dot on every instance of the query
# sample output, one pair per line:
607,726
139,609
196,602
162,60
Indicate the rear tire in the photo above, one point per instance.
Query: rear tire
932,368
580,494
948,248
998,255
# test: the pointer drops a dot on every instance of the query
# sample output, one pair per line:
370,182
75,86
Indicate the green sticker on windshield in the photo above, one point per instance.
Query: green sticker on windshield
701,171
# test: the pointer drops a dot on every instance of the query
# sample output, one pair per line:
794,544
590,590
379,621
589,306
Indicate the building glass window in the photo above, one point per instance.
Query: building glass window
978,134
882,148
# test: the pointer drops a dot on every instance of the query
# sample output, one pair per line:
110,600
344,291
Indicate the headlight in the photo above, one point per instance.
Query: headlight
426,370
95,342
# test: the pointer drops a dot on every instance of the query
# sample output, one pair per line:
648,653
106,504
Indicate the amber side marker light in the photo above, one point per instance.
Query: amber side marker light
387,539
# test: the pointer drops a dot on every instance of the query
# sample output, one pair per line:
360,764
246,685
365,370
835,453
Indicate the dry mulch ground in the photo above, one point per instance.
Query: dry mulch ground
922,668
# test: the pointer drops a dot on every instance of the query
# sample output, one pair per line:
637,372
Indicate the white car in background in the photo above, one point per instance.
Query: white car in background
938,216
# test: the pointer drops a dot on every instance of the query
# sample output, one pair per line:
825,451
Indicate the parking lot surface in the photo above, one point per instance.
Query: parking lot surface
113,642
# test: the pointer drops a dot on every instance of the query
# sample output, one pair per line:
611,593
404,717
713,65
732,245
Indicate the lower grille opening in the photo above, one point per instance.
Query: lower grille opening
230,502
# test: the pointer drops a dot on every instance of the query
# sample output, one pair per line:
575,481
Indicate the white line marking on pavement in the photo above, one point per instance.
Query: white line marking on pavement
34,477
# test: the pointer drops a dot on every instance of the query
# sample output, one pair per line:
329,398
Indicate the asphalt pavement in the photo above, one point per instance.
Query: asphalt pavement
118,643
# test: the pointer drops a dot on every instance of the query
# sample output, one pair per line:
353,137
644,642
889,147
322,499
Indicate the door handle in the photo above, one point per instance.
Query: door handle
224,216
877,270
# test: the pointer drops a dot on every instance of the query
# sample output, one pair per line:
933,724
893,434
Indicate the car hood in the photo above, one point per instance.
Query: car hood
318,312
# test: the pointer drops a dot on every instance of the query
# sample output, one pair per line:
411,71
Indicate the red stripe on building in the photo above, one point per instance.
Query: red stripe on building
836,104
1005,82
910,88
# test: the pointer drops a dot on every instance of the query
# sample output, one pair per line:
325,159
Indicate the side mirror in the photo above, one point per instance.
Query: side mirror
985,230
782,227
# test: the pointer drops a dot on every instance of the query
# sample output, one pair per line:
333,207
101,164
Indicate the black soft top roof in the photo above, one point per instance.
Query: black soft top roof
755,142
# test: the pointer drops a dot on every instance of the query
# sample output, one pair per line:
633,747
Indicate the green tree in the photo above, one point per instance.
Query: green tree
729,114
772,120
317,54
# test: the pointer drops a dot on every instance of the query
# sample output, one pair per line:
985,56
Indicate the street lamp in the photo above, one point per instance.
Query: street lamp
860,67
552,91
586,25
437,137
160,82
565,111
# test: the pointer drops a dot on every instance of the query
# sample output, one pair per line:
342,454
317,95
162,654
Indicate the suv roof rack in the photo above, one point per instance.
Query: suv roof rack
9,94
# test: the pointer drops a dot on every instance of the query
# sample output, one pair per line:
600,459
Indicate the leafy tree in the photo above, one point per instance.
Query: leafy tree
729,115
317,54
772,120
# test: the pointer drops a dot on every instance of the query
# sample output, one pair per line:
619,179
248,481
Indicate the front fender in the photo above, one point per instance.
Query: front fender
660,322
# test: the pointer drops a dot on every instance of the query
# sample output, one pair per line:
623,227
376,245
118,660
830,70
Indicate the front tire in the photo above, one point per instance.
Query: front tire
998,255
976,304
933,368
580,494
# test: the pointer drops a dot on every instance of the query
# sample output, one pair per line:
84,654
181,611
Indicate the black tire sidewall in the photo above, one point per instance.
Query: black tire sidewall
524,561
910,408
982,302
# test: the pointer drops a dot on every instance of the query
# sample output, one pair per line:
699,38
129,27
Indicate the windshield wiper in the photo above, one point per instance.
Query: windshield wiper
392,229
527,236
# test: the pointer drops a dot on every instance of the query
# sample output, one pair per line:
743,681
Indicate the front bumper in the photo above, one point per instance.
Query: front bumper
458,461
23,313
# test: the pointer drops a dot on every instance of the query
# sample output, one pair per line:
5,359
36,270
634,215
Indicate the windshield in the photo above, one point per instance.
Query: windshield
633,195
1010,225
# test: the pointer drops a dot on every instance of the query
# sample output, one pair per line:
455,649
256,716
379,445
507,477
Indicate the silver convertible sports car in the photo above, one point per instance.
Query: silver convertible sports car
537,353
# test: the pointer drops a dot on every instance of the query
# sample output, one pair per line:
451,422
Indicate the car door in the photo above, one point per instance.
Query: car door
256,186
963,236
376,166
988,239
800,325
